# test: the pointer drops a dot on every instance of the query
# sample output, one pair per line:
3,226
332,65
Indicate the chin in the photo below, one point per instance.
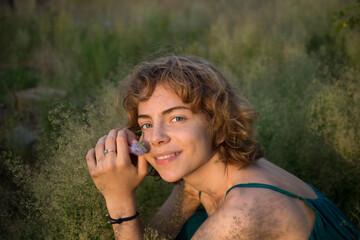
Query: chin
168,177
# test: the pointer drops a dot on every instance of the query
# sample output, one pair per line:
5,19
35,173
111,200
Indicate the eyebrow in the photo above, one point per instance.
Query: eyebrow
167,111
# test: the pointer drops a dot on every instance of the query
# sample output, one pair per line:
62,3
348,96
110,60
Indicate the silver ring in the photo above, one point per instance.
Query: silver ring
107,151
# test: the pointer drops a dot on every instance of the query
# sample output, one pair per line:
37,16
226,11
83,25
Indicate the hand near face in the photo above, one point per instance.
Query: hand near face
111,168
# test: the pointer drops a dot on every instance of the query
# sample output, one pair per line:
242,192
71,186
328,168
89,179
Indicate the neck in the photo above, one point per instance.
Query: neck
213,178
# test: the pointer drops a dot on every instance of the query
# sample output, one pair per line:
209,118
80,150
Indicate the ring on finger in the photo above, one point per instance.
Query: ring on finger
107,151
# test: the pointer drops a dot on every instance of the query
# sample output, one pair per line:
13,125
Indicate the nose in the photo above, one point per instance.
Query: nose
159,135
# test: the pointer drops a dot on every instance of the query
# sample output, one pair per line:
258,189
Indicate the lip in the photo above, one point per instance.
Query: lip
166,157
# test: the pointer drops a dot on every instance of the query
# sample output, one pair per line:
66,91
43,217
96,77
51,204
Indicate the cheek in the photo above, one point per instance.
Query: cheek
199,140
149,159
206,144
146,137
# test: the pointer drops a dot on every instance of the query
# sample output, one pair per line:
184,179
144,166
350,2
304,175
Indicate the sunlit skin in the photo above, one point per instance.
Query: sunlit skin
179,139
180,150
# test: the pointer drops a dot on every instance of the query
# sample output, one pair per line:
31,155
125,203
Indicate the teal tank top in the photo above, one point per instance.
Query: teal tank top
330,222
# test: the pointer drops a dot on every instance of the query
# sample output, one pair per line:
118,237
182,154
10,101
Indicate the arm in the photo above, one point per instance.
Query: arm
238,223
255,214
117,178
177,209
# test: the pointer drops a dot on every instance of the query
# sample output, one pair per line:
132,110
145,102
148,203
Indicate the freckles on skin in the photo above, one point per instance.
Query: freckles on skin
170,126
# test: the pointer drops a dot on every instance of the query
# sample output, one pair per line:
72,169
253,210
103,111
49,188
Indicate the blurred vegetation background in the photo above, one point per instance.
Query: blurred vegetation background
61,62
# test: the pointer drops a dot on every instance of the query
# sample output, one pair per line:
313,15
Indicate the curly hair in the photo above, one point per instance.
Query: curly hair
199,83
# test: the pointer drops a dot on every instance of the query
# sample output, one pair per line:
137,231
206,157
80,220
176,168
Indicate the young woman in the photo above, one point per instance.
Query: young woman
198,134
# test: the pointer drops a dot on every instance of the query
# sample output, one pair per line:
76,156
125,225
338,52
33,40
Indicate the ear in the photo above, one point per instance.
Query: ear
220,138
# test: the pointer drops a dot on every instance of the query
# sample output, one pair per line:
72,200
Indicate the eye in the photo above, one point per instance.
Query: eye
146,126
177,119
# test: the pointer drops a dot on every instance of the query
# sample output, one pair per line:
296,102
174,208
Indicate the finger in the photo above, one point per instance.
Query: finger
99,149
110,144
90,160
142,166
131,137
122,147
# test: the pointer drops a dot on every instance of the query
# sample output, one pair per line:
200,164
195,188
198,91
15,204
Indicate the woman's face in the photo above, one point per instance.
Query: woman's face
179,139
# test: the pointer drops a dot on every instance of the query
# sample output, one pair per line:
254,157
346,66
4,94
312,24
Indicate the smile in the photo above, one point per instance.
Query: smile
167,156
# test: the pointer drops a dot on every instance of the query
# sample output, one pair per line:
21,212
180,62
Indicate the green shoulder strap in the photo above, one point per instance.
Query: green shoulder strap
261,185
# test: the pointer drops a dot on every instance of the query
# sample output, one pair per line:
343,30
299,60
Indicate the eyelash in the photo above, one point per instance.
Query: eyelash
142,126
177,117
174,119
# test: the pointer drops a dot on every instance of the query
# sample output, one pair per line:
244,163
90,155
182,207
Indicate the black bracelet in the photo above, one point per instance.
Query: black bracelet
120,220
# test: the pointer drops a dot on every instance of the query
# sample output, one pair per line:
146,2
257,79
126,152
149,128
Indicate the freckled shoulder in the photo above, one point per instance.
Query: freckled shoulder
244,216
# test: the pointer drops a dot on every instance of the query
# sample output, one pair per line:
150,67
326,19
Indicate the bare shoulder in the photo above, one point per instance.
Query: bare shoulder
253,214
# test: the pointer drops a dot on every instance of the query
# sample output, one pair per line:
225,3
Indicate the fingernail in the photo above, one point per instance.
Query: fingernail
105,136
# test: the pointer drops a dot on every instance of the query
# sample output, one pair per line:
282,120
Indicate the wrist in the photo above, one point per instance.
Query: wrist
121,220
119,208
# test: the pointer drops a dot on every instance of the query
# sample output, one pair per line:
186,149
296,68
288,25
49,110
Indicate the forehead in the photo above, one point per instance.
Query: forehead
161,99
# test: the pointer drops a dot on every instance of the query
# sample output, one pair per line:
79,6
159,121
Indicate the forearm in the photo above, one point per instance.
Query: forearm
127,229
177,209
117,178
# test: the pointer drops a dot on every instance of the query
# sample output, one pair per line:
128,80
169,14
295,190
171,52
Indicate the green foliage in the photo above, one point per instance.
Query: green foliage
68,201
284,56
348,17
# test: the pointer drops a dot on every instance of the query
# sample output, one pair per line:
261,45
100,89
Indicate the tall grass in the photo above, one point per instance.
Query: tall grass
301,75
